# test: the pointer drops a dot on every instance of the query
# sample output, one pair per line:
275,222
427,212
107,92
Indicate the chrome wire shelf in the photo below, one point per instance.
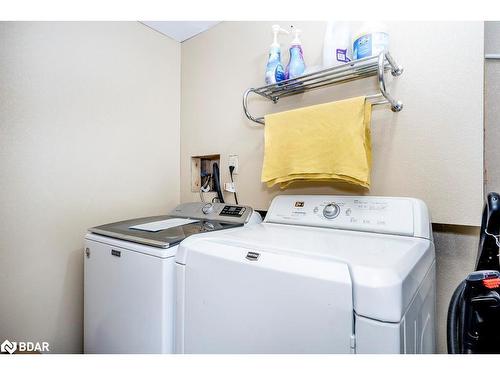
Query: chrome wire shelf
352,71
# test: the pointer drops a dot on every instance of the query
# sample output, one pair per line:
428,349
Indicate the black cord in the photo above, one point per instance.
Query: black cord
231,170
216,179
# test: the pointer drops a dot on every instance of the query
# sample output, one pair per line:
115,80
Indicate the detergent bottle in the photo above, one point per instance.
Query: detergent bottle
274,69
296,65
337,44
370,40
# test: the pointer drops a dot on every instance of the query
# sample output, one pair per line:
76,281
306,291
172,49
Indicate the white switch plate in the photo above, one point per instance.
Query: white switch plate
233,161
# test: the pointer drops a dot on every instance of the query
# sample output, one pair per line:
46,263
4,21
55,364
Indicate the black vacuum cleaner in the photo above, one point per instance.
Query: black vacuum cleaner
473,324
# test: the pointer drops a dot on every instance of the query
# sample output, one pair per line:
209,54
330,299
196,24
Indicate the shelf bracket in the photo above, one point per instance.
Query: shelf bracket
258,120
396,70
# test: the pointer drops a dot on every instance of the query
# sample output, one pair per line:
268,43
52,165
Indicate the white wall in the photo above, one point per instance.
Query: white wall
432,150
89,134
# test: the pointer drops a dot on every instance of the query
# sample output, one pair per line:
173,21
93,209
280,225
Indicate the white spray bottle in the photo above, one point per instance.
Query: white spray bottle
274,69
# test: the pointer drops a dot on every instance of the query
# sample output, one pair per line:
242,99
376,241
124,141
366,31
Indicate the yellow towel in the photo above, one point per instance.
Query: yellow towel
319,143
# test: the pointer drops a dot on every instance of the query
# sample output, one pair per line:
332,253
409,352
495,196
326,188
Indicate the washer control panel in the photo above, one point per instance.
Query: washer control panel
232,211
213,211
359,213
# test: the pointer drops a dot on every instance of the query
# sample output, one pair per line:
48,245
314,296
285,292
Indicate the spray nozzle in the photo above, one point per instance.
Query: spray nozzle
278,30
296,33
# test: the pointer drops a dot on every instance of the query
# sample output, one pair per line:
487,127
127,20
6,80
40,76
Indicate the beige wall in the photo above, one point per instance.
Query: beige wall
456,250
432,150
89,133
491,108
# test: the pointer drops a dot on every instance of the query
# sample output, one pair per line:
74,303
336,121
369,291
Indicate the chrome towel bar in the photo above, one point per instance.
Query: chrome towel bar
492,56
354,70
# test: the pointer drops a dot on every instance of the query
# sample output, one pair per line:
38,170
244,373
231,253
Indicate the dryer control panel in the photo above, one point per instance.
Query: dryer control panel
400,216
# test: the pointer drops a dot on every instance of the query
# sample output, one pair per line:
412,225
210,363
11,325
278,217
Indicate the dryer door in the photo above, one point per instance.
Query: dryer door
244,300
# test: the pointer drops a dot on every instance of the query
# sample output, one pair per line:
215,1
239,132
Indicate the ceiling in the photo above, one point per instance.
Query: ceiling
180,30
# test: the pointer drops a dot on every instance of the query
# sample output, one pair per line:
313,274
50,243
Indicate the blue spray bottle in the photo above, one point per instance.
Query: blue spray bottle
296,66
274,69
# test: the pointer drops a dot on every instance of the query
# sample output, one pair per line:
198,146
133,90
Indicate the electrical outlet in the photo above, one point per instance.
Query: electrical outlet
230,186
233,161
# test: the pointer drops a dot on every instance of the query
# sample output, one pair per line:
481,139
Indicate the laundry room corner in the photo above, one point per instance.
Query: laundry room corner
250,187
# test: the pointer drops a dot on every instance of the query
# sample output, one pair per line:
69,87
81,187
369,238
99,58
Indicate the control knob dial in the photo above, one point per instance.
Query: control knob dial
206,209
331,211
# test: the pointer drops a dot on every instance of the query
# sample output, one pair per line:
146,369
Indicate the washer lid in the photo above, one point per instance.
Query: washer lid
386,270
159,231
186,219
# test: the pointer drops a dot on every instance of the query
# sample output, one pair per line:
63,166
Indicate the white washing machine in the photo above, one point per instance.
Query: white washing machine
129,290
321,274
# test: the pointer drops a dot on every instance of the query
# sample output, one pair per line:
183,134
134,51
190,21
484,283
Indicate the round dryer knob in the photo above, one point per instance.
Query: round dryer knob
206,209
331,211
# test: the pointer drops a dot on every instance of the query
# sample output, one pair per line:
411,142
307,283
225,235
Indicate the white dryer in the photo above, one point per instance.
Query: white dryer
129,284
321,274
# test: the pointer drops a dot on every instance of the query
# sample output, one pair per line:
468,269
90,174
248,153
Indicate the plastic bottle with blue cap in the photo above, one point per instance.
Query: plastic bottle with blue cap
371,39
